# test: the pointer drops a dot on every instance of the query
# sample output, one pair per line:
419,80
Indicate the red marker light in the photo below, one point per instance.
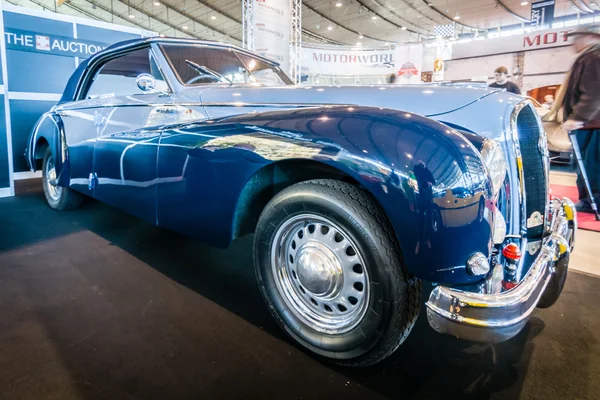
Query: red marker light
508,285
512,252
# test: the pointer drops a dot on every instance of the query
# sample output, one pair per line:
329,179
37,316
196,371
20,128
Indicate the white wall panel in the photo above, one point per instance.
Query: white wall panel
549,60
478,67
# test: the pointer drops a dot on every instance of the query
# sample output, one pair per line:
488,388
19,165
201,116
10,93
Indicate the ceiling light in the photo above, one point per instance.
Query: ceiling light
213,17
374,17
457,17
403,28
524,3
338,4
185,27
157,3
386,44
360,36
330,28
131,16
359,44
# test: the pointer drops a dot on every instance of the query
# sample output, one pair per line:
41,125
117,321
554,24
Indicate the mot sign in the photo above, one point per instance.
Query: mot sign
542,13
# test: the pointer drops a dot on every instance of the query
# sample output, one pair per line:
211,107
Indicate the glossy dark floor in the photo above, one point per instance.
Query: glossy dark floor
98,305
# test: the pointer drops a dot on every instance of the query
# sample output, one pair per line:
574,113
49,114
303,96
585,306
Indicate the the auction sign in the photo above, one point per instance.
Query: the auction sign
405,61
272,30
17,39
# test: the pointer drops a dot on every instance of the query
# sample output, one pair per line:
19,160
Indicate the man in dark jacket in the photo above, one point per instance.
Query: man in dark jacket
581,107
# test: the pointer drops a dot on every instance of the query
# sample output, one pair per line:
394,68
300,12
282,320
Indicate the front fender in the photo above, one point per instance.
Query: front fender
428,178
49,129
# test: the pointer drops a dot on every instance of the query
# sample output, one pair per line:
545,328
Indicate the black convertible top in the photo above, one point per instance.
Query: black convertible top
73,83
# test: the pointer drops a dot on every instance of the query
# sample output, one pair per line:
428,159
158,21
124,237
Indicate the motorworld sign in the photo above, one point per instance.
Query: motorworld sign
36,42
403,60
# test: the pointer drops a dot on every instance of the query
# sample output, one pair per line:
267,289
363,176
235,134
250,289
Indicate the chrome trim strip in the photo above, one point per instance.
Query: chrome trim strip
271,105
69,106
519,158
498,317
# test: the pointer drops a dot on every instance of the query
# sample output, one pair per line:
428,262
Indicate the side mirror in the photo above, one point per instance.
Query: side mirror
146,82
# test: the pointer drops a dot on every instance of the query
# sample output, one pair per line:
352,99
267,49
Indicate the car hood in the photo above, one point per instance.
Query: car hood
428,100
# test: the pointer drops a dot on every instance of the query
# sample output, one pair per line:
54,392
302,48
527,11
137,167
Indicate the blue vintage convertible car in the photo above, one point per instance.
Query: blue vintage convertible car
355,194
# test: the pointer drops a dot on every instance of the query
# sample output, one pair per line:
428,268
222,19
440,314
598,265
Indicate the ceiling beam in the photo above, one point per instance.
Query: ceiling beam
154,17
508,10
580,4
409,5
591,5
307,32
167,22
434,8
341,25
321,38
362,4
197,21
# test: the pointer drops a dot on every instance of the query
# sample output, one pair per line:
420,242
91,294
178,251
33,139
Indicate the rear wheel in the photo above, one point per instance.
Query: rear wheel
330,269
58,197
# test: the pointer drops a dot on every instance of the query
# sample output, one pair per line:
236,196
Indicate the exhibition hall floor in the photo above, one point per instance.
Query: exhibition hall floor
95,304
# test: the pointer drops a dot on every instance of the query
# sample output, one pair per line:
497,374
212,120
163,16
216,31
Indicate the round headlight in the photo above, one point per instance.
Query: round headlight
494,160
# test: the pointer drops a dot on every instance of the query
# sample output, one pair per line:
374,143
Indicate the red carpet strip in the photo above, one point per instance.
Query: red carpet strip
586,220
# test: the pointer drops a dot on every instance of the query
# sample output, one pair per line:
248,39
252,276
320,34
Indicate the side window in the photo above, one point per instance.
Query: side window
118,76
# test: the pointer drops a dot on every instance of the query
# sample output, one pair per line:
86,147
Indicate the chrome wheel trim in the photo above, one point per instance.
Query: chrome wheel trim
54,191
320,274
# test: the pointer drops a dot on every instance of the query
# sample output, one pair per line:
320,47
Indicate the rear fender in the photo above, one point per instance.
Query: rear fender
49,128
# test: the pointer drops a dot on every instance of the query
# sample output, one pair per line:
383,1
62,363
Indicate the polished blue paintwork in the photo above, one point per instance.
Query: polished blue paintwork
183,160
206,165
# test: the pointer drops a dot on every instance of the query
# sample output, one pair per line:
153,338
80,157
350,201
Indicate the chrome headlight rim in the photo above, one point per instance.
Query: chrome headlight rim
495,163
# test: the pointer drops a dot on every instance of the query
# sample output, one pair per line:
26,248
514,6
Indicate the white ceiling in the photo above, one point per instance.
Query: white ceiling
379,21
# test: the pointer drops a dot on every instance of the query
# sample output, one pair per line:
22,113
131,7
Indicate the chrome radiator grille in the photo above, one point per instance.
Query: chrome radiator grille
534,171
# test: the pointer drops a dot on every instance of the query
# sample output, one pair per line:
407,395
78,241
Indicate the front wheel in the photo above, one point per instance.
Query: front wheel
330,269
58,197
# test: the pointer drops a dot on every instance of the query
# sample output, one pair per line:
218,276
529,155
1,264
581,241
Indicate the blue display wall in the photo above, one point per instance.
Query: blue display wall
39,51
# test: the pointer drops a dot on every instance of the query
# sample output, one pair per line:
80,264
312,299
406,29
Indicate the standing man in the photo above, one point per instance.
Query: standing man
580,100
502,82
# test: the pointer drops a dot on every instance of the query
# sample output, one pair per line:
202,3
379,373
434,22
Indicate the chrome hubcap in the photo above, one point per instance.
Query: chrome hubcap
54,191
320,274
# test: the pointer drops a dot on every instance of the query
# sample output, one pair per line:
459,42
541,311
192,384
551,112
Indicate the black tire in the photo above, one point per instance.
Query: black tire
556,284
67,199
394,295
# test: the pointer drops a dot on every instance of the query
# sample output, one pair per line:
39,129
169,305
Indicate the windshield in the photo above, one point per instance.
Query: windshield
200,65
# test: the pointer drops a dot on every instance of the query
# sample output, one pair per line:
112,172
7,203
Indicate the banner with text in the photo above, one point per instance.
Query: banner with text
529,41
405,61
272,28
17,39
542,13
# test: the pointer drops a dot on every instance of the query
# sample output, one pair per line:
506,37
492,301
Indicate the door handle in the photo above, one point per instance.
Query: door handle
166,110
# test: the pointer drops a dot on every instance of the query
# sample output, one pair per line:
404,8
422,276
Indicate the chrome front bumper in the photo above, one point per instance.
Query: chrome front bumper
498,317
